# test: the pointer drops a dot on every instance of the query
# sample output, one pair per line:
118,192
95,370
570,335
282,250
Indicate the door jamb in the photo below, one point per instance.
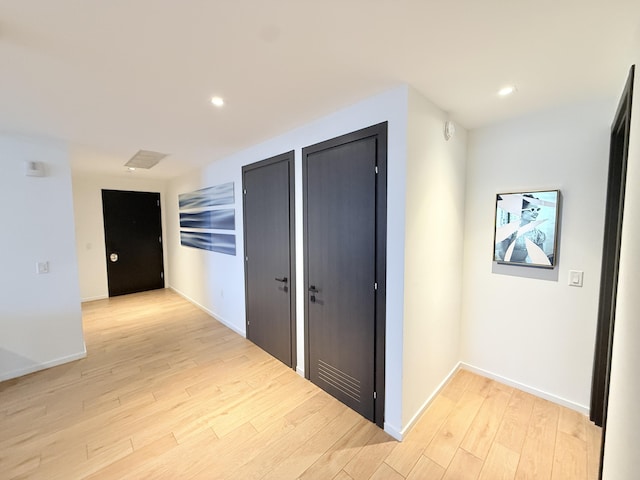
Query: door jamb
618,157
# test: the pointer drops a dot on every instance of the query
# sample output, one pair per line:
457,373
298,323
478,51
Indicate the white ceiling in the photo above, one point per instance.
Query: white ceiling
116,76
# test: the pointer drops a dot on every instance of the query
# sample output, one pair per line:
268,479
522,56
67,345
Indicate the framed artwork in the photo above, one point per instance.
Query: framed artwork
223,219
205,210
214,242
222,194
526,228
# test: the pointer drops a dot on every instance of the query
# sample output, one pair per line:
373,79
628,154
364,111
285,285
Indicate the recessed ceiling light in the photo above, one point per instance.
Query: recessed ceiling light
217,101
131,169
506,90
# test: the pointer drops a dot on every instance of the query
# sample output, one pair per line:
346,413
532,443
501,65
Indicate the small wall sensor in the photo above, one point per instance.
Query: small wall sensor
34,169
449,129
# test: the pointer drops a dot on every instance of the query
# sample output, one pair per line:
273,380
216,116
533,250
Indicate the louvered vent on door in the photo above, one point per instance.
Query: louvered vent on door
339,380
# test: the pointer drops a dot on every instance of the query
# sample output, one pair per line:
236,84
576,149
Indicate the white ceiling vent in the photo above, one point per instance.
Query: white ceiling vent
145,159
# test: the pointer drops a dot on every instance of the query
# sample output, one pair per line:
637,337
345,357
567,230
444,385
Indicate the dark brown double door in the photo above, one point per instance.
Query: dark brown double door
344,183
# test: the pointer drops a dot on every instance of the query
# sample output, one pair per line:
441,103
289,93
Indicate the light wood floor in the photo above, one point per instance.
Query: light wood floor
168,392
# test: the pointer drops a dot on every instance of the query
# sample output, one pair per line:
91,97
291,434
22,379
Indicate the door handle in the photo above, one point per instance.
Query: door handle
283,279
113,257
313,290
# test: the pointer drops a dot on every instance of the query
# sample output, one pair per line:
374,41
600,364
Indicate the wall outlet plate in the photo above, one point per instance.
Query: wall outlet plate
575,278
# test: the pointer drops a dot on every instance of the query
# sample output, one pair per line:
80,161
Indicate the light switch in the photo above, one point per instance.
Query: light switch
42,267
575,278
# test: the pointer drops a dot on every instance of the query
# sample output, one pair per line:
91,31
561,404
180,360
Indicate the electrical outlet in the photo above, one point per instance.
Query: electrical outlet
42,267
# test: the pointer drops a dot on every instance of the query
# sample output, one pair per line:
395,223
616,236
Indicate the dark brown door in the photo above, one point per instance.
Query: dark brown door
342,259
616,184
269,248
133,237
618,153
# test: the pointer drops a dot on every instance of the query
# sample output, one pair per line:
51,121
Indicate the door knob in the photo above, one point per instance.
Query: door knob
113,257
283,279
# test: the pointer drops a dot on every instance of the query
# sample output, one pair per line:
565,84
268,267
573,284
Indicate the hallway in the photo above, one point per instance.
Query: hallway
168,392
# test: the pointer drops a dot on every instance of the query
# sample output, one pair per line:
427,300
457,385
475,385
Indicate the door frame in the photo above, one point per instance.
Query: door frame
289,158
378,131
616,184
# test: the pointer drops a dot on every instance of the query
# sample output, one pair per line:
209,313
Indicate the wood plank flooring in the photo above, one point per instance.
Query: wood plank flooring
168,392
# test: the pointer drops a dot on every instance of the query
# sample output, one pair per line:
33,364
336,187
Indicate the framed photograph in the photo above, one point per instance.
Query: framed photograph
526,228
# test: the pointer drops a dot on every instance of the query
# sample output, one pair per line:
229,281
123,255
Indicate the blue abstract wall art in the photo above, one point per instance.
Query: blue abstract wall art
214,242
211,219
222,194
201,215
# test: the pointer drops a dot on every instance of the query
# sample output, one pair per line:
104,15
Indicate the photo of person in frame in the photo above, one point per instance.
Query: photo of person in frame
525,228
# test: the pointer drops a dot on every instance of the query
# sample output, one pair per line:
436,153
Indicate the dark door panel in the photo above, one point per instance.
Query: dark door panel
341,259
133,237
341,265
268,217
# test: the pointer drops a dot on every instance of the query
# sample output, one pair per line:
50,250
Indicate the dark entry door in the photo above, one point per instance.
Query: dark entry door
269,252
133,236
344,257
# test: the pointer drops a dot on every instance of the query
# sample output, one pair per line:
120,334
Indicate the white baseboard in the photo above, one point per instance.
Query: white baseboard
526,388
213,314
43,366
426,404
93,299
399,434
393,431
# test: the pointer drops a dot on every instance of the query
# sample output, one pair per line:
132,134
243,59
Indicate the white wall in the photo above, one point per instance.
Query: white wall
89,237
40,317
216,281
433,253
525,325
621,461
